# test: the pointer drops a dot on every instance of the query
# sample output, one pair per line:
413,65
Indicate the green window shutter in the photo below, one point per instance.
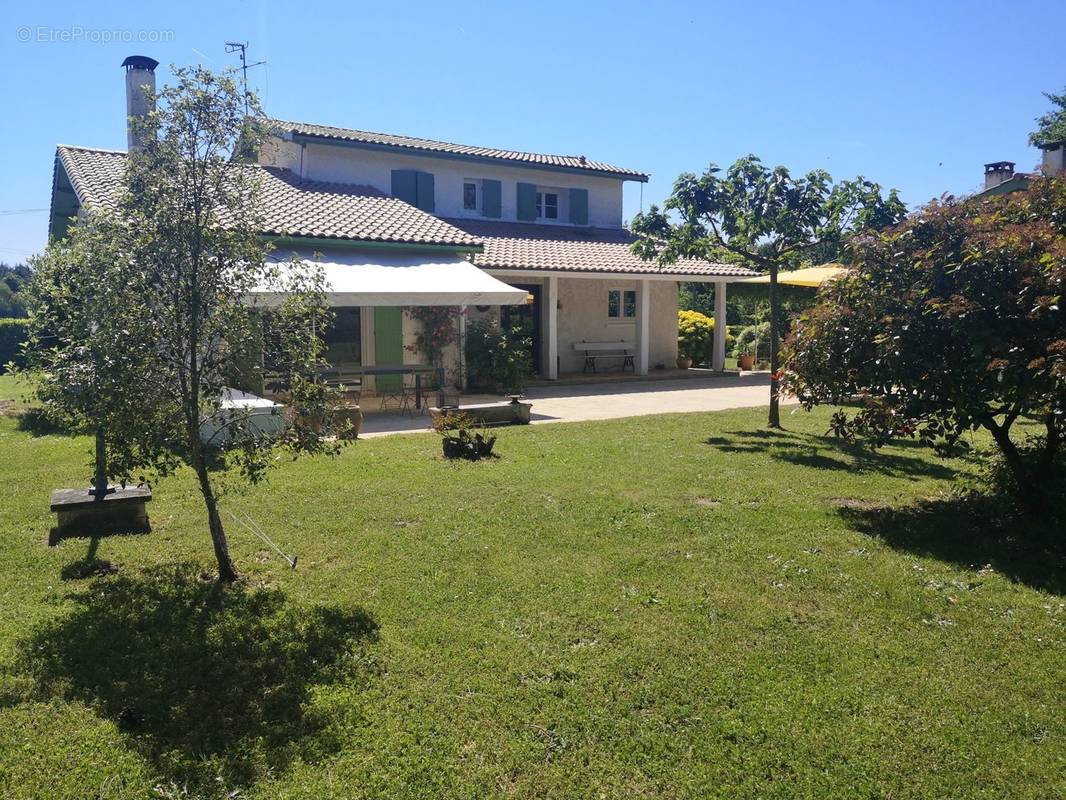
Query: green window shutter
424,182
491,198
388,345
527,201
579,206
405,185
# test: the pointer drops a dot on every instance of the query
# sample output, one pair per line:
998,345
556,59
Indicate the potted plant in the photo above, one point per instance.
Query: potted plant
747,344
458,439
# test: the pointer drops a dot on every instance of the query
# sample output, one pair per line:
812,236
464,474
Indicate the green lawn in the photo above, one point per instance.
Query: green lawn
684,606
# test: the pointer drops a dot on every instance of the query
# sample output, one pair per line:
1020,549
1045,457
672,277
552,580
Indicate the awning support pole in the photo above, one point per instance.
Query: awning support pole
643,329
463,311
718,355
552,372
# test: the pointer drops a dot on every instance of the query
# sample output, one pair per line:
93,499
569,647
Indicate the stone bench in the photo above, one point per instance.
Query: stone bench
79,513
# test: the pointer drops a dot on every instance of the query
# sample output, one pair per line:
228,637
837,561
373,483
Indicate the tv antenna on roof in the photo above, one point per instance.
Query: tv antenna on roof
242,47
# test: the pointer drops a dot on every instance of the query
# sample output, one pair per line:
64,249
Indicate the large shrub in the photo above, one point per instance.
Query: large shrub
13,281
12,335
752,339
695,336
497,361
951,322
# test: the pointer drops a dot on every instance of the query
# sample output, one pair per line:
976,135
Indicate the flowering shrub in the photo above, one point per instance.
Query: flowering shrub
695,335
438,330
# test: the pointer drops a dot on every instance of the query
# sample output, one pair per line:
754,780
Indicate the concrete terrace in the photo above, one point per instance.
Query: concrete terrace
606,399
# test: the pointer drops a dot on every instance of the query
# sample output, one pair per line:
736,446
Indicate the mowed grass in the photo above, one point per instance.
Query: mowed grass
682,606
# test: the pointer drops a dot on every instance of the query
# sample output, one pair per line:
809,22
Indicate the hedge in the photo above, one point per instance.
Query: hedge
12,335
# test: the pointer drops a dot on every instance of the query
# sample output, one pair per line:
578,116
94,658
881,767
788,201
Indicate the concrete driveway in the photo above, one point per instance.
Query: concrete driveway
609,400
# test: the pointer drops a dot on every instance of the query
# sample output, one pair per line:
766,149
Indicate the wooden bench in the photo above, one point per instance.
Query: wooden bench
596,351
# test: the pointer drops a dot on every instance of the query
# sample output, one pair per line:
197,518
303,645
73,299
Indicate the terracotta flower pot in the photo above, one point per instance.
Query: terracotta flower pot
350,412
746,361
684,362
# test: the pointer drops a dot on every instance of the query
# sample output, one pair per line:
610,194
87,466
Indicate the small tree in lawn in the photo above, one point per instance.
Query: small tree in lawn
177,265
192,210
92,356
951,322
765,218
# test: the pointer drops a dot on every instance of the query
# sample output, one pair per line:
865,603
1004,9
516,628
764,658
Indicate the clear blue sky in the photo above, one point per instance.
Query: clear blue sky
915,95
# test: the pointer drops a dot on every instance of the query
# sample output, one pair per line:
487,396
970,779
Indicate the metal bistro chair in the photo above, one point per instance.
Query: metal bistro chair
401,395
390,390
432,390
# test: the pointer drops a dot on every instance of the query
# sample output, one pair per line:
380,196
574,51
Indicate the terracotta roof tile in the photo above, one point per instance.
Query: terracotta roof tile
290,206
529,246
293,207
432,146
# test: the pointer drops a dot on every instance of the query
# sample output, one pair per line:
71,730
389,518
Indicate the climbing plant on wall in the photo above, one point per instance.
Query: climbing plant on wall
436,332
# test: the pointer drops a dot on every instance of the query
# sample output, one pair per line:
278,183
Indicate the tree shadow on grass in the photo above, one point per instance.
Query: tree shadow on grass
215,686
90,566
970,532
37,422
829,452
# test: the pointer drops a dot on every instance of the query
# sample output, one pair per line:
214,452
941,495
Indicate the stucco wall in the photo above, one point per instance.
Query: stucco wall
374,168
583,316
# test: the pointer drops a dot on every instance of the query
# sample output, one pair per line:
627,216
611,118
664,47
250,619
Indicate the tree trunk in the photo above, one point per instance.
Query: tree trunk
775,388
1025,477
227,573
1051,443
100,487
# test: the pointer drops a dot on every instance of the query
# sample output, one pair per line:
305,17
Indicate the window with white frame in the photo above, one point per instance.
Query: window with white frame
621,304
471,195
547,204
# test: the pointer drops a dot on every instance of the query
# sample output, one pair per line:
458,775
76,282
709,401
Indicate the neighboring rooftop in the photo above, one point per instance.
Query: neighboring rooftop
526,246
290,206
568,163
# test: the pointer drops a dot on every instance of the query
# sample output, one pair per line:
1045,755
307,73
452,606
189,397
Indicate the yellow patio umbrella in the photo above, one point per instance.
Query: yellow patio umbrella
811,277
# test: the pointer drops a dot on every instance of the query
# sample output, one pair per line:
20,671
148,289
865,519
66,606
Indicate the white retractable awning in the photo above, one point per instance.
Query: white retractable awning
378,278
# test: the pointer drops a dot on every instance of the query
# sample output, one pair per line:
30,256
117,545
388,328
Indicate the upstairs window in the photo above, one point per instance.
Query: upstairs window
547,205
470,194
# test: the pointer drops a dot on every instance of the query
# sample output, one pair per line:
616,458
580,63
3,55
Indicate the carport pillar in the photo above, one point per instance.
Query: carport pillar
718,354
643,323
463,311
552,307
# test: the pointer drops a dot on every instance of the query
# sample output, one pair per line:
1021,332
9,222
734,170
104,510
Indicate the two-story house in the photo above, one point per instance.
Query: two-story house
535,240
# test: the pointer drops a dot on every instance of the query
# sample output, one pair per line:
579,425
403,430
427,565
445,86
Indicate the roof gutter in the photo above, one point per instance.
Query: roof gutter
360,244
